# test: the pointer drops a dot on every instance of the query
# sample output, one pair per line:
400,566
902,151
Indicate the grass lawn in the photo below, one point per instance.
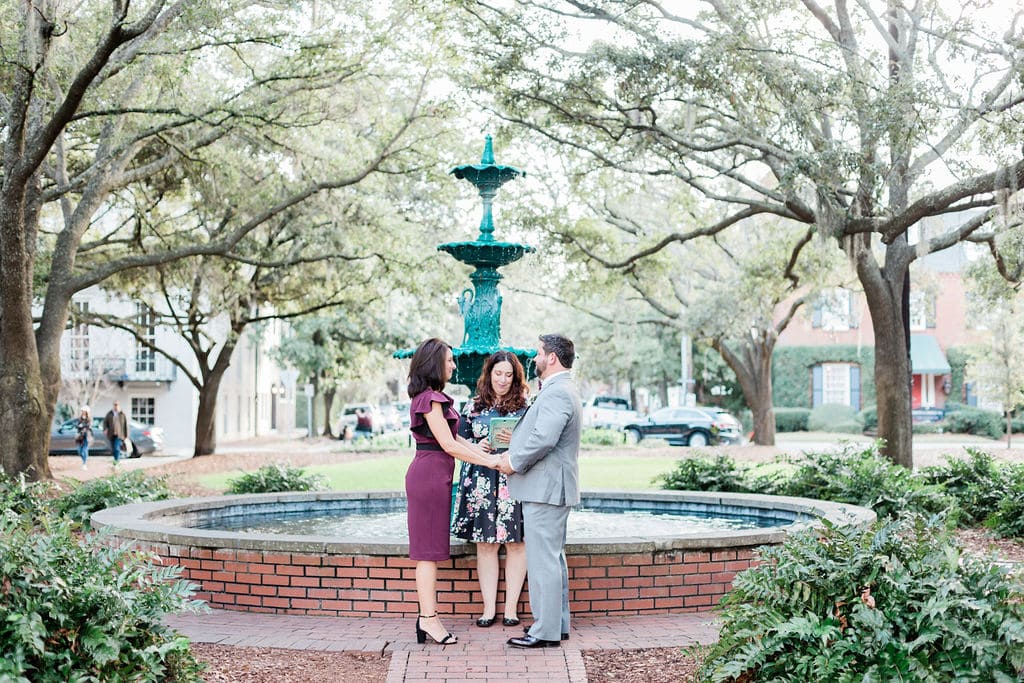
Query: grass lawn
388,473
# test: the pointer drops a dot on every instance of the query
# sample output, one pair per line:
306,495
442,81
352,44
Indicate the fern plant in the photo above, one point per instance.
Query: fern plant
894,601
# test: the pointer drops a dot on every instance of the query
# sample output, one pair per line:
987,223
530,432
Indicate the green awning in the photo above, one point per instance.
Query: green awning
926,358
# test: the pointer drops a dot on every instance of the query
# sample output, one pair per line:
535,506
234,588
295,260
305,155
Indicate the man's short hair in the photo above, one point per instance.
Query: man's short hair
561,346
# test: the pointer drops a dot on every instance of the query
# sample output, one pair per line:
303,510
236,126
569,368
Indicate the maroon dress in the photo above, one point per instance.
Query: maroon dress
428,482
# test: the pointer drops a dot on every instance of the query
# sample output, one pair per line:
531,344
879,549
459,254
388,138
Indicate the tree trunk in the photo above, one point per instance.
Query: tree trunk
883,288
24,408
206,417
754,373
329,395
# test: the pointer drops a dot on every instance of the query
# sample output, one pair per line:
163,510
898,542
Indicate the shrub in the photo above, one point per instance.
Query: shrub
927,428
868,417
119,489
1008,519
276,478
791,419
825,417
81,609
20,497
976,482
862,476
602,437
888,602
975,421
707,474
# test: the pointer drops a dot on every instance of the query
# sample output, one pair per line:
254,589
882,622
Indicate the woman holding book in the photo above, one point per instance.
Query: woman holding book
484,514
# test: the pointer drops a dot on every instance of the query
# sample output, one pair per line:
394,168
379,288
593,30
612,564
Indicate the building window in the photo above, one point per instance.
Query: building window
922,311
144,410
833,311
145,321
837,384
79,338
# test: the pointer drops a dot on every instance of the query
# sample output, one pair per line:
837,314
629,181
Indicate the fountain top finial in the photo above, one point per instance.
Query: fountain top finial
488,156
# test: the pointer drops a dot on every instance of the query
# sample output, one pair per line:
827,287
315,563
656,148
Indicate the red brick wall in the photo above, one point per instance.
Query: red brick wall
363,585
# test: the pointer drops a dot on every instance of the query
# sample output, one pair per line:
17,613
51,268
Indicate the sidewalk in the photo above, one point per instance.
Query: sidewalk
481,653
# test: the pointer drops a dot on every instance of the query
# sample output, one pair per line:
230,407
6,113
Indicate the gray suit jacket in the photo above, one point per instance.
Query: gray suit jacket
545,446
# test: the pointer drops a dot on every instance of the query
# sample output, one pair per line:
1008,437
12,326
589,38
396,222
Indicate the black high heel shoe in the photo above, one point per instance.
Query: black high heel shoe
421,635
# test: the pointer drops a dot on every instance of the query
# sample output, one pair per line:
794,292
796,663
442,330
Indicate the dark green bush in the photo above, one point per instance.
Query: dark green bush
927,428
825,417
889,602
975,421
276,478
1008,519
20,497
862,476
707,474
81,609
976,482
868,417
118,489
791,419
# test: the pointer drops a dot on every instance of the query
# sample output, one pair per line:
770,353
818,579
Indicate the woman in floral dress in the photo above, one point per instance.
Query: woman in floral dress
484,514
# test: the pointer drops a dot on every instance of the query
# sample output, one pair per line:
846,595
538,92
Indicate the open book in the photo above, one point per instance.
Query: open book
497,425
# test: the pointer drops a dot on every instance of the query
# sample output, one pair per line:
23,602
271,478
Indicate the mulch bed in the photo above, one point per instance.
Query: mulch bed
228,664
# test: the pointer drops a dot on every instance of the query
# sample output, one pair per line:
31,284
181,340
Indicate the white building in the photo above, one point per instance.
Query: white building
101,365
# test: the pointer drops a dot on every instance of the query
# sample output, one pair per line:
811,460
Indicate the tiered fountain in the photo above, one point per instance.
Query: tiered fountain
481,306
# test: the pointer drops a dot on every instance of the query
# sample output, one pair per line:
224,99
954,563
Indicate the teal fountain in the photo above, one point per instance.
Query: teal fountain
481,305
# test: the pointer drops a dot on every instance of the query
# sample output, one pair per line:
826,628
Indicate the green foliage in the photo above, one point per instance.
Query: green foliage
276,478
889,602
602,437
83,609
712,474
927,428
976,482
975,421
20,497
118,489
957,358
791,419
868,418
829,418
862,476
1008,519
791,371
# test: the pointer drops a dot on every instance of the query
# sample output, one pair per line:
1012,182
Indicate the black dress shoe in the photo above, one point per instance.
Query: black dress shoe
565,636
509,622
530,641
484,623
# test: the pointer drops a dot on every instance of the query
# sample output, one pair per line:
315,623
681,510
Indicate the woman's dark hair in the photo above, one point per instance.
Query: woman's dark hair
515,399
427,368
561,346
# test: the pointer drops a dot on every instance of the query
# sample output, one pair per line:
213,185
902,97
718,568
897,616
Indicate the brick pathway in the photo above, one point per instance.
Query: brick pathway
480,655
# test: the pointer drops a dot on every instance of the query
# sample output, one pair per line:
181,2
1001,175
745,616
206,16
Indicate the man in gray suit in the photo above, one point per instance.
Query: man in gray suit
542,458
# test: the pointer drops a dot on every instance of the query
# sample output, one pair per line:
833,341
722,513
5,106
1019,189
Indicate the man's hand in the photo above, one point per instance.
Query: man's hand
505,465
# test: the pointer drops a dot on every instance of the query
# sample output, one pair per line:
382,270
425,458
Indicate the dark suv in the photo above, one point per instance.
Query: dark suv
678,426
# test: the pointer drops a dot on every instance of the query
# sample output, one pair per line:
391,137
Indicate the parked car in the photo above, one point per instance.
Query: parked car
730,429
348,417
142,438
677,426
608,412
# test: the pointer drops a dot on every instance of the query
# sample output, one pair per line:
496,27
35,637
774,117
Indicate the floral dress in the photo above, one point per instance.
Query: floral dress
483,511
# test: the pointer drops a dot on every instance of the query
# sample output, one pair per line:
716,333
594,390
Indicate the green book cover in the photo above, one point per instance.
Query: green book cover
497,425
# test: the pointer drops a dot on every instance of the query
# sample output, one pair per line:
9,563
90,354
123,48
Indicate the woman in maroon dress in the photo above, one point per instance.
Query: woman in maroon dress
428,482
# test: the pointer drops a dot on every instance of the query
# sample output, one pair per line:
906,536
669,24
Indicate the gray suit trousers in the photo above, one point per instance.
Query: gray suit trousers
548,574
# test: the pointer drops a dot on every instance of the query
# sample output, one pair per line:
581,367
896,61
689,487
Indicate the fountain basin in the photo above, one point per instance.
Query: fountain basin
355,576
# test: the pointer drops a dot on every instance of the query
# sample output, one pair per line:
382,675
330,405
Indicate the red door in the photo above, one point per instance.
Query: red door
915,392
